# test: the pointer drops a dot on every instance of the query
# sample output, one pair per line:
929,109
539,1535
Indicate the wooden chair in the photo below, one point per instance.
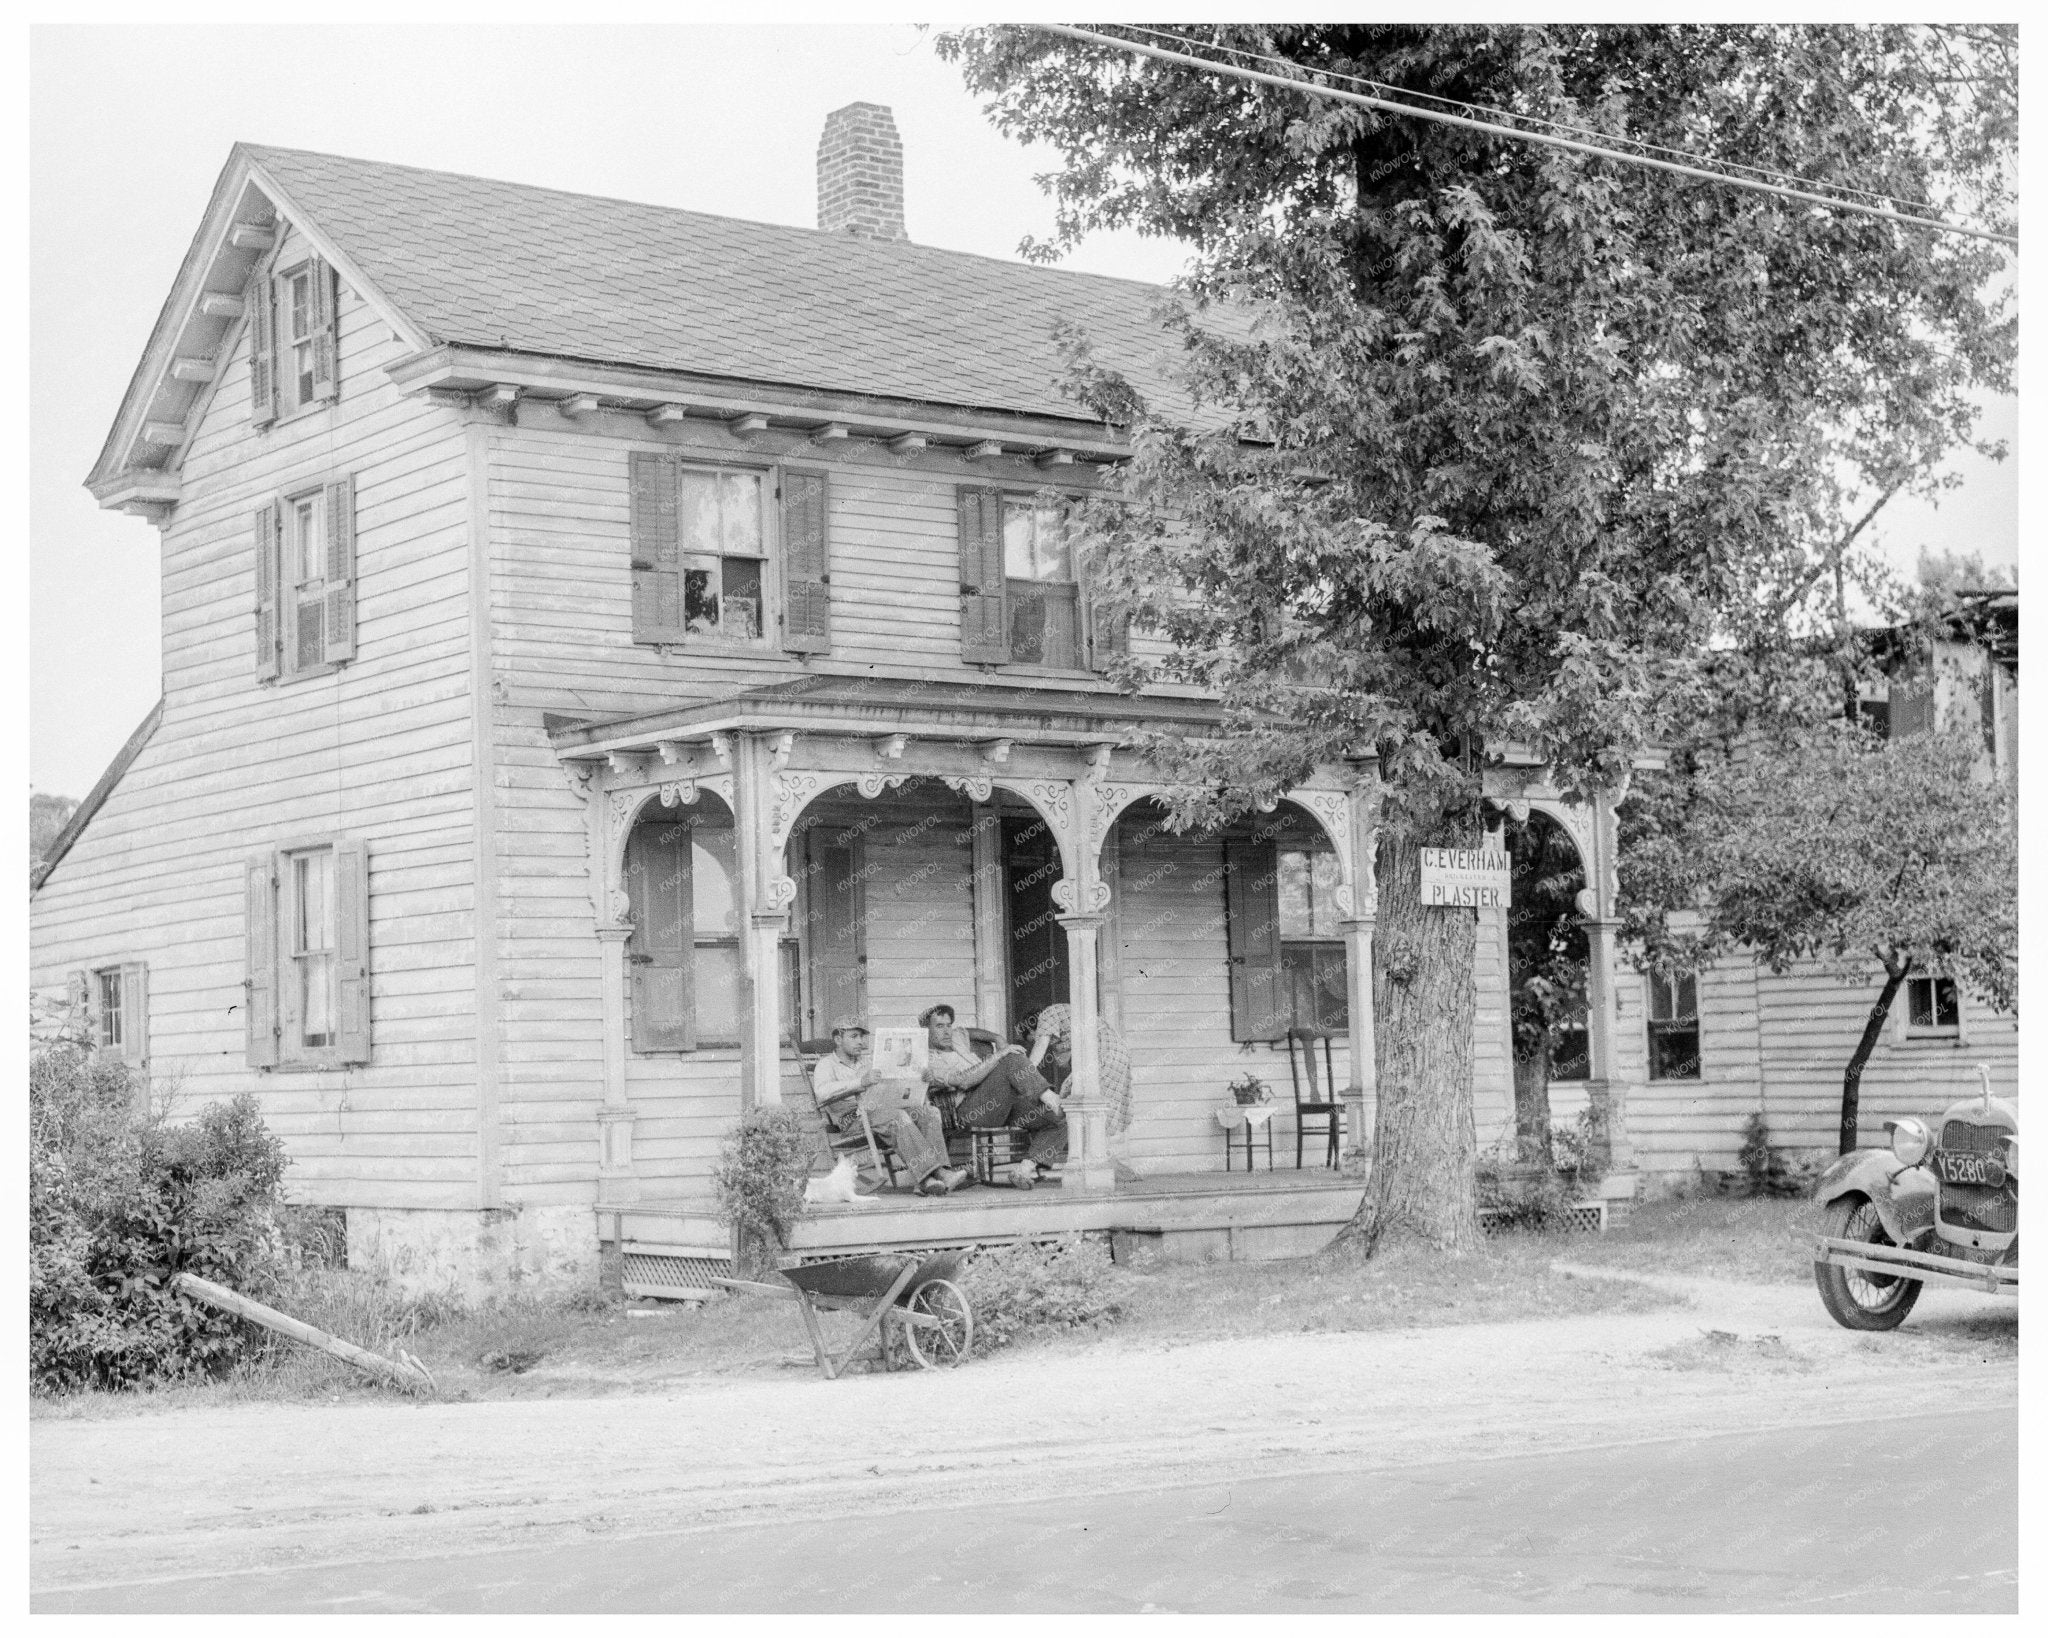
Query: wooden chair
1320,1105
858,1138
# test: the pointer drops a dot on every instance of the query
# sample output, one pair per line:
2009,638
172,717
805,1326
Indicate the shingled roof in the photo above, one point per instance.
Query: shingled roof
507,266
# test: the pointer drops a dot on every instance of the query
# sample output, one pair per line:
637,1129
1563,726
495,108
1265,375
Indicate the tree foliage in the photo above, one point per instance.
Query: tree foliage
1879,859
1474,441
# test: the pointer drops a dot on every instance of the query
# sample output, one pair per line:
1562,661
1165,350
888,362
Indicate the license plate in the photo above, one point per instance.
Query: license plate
1983,1171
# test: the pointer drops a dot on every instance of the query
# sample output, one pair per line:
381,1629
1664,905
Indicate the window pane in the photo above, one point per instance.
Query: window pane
1017,553
1688,996
110,1009
1053,557
1323,890
1674,1052
1027,623
312,555
716,905
1293,884
742,597
700,599
1920,1003
301,304
700,512
740,493
1947,1014
313,937
718,991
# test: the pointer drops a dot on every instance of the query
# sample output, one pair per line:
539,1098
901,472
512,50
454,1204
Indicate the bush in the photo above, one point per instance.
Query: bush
120,1200
1772,1171
1016,1290
762,1165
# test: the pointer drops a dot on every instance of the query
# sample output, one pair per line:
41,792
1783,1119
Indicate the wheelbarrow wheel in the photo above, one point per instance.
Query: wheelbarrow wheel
940,1326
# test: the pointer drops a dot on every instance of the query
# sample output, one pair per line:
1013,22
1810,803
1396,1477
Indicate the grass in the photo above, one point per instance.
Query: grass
1753,1242
591,1344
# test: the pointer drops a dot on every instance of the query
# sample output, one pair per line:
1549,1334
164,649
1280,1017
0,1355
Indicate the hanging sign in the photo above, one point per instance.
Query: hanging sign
1468,878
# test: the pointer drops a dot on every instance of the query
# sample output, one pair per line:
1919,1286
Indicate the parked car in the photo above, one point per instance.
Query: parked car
1941,1206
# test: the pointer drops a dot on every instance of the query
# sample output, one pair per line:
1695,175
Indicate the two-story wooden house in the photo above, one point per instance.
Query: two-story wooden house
602,643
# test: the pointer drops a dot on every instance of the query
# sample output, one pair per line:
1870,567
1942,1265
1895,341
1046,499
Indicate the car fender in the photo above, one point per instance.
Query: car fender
1871,1172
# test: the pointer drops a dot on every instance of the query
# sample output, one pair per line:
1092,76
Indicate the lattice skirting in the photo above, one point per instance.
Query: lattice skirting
660,1274
1580,1217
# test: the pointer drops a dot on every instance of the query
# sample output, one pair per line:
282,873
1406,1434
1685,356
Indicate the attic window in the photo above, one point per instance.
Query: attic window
293,342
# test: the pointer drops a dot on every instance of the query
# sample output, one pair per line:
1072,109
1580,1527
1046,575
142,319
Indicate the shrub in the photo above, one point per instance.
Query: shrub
1769,1170
762,1165
1016,1290
120,1200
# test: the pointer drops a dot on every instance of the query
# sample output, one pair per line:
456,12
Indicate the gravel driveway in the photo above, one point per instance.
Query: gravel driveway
205,1492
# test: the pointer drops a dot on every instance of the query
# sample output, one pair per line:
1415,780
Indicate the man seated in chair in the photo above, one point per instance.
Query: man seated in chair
899,1112
1003,1090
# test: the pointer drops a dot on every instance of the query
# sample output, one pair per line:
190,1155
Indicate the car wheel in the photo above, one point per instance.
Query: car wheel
1857,1298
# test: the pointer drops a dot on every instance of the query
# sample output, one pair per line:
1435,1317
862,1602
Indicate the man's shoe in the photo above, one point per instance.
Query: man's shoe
934,1183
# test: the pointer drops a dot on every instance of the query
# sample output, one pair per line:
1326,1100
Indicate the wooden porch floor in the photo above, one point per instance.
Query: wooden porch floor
671,1247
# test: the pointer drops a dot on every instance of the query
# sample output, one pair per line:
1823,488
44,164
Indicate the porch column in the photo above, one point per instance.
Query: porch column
991,965
616,1184
764,897
1088,1163
1606,1090
1361,1097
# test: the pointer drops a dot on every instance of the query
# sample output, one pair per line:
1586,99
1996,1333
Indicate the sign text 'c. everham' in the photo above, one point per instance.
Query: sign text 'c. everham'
1472,878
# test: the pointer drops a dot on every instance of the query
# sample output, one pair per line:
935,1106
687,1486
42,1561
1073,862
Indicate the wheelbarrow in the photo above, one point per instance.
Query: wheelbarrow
916,1295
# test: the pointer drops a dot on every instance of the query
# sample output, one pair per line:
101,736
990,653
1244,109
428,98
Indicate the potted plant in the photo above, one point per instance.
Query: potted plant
1248,1090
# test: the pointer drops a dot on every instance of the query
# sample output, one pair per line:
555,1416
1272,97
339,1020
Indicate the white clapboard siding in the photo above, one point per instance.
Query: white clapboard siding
379,750
1173,973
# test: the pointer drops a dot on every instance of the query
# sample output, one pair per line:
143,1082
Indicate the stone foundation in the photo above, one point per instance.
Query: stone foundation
477,1255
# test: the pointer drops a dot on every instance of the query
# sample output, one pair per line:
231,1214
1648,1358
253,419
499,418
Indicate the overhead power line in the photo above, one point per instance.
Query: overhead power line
1524,121
1595,150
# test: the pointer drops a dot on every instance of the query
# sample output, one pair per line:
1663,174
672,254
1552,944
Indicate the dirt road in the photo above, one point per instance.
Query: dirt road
136,1499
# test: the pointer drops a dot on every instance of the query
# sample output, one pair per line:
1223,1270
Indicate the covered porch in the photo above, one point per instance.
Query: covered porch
764,863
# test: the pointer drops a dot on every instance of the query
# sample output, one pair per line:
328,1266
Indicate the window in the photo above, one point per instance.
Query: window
1933,1007
1022,595
308,981
305,581
702,555
112,1005
684,953
293,340
1311,945
1674,1022
1285,947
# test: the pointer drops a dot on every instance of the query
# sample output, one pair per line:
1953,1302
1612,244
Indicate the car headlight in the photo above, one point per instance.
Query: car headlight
1910,1140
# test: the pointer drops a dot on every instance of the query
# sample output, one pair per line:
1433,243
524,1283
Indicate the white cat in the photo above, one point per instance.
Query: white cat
836,1187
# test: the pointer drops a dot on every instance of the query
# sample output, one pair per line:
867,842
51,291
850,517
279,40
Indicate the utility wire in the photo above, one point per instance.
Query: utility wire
1763,172
1384,105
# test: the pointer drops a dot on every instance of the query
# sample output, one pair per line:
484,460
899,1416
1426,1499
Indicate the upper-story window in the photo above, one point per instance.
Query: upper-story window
705,545
293,340
306,580
1024,598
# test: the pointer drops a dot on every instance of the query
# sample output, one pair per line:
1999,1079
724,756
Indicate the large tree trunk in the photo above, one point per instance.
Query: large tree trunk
1423,1145
1852,1077
1532,1105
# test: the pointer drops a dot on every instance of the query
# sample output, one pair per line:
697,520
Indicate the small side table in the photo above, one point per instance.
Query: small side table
1253,1119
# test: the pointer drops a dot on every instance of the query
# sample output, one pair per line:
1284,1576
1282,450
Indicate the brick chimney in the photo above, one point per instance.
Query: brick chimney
860,173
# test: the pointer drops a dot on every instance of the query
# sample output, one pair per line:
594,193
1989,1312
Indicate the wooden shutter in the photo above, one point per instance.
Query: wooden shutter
806,564
259,985
326,338
268,573
78,1000
262,328
1257,987
135,1013
657,549
661,954
835,929
339,635
1109,630
984,622
352,952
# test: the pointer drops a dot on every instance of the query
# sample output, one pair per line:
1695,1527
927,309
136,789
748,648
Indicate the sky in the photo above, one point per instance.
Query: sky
130,126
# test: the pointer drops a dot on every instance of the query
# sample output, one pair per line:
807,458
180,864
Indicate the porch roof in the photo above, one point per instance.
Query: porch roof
861,705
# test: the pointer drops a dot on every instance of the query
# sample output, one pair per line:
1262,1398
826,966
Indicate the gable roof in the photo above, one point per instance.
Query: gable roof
82,815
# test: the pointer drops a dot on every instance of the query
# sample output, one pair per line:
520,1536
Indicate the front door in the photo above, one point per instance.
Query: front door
1038,944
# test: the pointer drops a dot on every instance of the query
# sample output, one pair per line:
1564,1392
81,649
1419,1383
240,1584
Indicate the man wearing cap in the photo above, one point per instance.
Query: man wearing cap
899,1112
